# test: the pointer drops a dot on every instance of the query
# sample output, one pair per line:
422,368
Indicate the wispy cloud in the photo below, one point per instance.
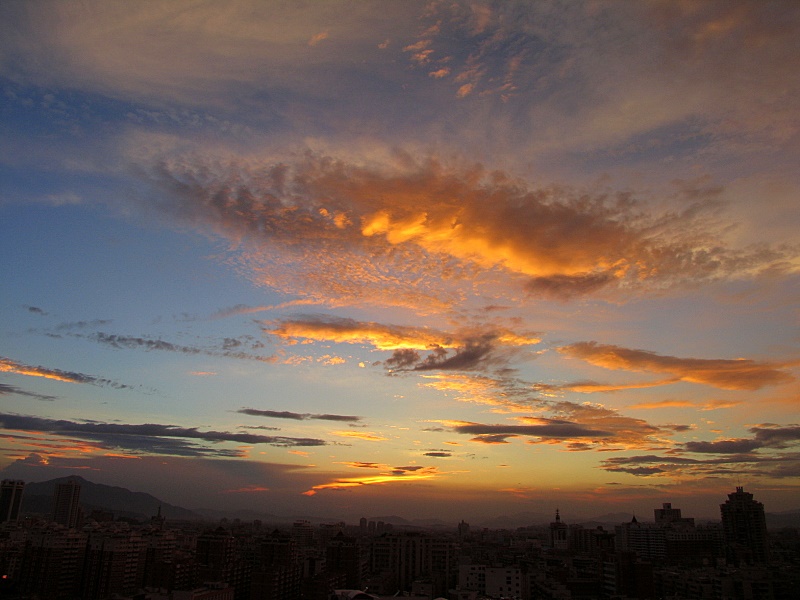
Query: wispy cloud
285,414
228,346
545,430
771,436
366,436
769,453
737,374
11,366
709,405
6,389
148,437
404,220
330,328
393,476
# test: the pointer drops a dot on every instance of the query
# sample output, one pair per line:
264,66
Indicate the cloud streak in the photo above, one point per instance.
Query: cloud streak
285,414
8,365
153,437
7,390
138,343
738,374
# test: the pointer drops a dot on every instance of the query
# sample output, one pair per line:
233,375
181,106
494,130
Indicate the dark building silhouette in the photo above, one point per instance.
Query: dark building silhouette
52,563
277,574
10,499
401,558
218,561
559,533
343,555
744,528
113,563
66,507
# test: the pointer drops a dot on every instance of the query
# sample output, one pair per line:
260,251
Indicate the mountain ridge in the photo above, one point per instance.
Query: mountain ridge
122,502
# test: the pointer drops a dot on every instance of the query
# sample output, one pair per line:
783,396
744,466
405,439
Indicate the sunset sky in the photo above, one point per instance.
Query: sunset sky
437,259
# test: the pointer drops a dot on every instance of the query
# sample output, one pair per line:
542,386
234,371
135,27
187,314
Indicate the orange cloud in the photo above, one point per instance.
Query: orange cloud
382,337
737,374
316,39
591,387
710,405
399,474
250,489
9,366
361,435
478,389
407,233
664,404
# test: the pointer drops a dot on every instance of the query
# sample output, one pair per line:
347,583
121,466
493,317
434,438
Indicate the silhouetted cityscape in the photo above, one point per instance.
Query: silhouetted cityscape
68,555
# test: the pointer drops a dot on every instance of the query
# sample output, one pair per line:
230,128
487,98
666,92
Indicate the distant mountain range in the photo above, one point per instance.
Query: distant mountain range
122,502
38,498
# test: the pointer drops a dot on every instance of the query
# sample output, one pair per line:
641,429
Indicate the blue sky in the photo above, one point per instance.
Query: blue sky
331,257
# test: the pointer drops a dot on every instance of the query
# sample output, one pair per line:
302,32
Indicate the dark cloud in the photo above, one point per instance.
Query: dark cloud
69,326
402,359
493,439
139,343
6,389
648,459
474,356
679,428
474,352
230,343
777,437
640,471
746,462
788,470
36,310
131,342
438,454
285,414
735,446
772,437
400,471
567,287
549,430
152,434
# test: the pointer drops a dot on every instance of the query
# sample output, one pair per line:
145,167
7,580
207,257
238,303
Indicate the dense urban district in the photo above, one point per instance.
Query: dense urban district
65,553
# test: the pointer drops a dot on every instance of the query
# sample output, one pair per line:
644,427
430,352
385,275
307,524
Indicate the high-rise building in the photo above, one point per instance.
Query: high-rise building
10,499
744,528
114,563
52,563
277,574
66,507
407,556
666,516
559,534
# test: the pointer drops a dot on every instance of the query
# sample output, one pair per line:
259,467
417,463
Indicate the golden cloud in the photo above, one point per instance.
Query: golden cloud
398,475
340,330
361,435
736,374
408,233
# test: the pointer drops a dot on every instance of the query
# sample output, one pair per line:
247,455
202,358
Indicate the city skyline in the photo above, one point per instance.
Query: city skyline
385,257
